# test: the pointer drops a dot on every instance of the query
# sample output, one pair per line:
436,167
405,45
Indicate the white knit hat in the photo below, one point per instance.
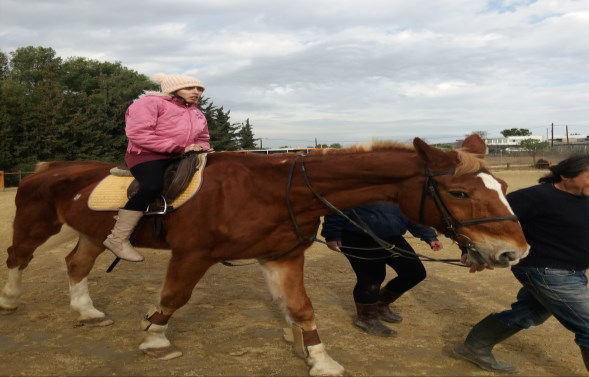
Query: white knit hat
171,83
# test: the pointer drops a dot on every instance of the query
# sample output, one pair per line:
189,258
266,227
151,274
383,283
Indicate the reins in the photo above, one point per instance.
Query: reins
430,188
393,250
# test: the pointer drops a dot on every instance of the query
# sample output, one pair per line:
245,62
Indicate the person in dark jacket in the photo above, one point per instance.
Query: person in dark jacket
555,219
387,222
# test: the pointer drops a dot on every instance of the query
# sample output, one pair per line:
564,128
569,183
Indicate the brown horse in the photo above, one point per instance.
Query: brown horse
242,212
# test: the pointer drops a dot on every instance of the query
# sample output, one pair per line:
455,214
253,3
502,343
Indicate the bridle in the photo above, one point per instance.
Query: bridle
450,223
430,188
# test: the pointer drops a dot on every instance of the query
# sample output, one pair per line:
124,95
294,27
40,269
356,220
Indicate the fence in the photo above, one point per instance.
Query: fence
12,179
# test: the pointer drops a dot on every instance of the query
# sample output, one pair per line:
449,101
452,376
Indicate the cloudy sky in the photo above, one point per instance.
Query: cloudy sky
344,70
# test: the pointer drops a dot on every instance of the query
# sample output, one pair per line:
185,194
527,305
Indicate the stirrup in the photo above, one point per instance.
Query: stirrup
147,212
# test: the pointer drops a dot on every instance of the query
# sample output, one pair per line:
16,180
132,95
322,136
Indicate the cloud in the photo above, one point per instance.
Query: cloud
349,70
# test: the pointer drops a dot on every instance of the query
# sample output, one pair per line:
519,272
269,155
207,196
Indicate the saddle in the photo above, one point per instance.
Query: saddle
182,180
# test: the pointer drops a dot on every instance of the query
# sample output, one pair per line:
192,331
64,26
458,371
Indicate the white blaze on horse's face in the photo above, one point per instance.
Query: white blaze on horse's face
492,184
499,248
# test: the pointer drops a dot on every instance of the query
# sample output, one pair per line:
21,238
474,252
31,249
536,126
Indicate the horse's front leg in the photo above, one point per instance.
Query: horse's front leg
79,264
285,280
184,271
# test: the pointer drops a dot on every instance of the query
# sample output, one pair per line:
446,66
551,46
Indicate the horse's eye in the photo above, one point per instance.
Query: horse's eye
459,194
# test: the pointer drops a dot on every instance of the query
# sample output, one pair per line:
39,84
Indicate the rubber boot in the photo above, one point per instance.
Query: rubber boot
118,239
480,342
367,320
385,313
585,354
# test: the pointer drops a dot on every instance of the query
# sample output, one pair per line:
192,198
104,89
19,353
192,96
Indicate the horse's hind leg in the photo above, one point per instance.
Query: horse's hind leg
285,280
79,263
33,225
184,271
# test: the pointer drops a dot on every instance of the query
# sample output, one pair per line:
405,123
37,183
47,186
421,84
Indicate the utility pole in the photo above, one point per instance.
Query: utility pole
567,131
552,137
315,142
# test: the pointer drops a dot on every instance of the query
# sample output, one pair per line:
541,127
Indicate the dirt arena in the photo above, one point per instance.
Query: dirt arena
231,326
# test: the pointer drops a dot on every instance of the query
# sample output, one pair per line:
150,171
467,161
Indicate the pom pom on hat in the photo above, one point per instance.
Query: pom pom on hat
172,83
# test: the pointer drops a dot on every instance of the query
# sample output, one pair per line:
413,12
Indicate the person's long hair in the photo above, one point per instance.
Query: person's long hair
569,168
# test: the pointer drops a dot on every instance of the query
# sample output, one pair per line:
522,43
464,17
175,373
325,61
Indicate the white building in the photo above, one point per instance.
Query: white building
510,141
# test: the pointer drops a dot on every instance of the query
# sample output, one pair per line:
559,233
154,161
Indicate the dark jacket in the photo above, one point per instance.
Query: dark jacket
383,218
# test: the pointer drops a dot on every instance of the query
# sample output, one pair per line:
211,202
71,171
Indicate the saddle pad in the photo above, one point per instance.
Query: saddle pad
111,193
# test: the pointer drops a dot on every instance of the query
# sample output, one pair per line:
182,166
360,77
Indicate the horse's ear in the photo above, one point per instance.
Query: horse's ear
475,144
430,155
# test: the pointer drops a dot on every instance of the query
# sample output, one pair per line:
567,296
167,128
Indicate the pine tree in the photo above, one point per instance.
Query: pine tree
246,136
223,133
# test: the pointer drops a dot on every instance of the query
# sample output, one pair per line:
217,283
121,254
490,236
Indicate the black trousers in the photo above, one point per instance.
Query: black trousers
370,274
150,176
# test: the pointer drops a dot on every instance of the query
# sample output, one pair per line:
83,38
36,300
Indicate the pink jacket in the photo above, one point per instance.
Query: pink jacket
163,124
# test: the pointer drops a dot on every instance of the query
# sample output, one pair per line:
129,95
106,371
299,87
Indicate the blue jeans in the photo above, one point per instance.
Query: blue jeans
548,291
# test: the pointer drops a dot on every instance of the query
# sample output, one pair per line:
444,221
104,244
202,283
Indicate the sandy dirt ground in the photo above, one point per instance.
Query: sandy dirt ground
231,326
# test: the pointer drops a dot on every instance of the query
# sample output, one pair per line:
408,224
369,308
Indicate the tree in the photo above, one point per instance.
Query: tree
30,103
516,132
52,109
533,146
335,145
246,136
223,133
3,65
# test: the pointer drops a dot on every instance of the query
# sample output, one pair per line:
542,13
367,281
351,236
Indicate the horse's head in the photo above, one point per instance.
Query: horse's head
458,196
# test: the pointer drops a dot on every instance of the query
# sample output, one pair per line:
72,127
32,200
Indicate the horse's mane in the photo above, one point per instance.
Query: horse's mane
374,146
468,162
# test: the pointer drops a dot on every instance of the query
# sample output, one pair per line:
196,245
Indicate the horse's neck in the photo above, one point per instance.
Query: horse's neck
348,180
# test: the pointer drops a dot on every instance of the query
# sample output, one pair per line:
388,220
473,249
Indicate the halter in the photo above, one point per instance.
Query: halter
450,223
430,188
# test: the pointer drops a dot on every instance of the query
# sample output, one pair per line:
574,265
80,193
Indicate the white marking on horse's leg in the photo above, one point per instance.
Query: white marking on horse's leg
321,363
156,344
81,302
12,289
273,279
492,184
155,337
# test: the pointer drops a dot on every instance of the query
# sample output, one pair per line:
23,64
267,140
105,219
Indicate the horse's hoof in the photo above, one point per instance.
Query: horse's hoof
166,353
332,371
94,322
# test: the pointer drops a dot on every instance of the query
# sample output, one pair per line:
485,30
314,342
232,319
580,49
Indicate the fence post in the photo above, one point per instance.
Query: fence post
2,180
